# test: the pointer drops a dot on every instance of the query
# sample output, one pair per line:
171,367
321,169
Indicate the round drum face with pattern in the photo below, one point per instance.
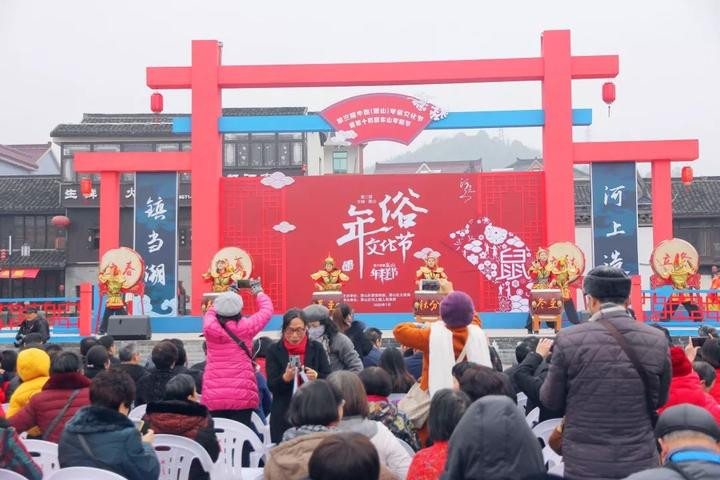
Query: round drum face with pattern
668,252
128,261
236,258
575,257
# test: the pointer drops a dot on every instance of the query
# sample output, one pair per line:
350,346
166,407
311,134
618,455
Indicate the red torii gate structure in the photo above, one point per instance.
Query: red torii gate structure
207,77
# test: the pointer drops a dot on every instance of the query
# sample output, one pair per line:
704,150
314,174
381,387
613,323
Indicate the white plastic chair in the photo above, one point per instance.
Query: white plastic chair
522,401
176,454
558,469
83,473
45,454
533,417
10,475
263,430
544,429
138,412
406,446
550,457
232,436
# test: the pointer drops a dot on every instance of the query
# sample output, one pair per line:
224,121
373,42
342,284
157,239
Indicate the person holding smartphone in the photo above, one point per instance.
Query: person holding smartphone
291,362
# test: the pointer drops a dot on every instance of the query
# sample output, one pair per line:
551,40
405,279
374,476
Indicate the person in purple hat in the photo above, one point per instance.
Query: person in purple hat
455,339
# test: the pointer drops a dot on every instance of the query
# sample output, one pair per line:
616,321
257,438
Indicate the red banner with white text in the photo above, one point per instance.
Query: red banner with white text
485,226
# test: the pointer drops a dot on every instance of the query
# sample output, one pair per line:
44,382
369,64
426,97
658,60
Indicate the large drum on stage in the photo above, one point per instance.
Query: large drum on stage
546,305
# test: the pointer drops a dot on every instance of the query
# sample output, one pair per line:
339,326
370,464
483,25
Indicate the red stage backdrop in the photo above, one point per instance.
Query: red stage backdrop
485,226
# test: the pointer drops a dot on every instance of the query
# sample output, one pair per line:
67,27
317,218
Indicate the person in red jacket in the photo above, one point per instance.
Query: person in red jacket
685,386
61,397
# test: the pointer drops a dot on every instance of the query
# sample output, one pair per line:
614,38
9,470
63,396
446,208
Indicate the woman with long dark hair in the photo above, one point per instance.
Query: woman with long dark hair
290,362
392,361
342,316
339,348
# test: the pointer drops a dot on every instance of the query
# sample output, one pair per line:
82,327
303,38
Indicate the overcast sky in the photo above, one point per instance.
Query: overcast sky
60,58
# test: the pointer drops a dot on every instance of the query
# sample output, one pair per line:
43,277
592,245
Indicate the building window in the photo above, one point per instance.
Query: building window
263,151
93,239
167,147
340,162
67,155
34,230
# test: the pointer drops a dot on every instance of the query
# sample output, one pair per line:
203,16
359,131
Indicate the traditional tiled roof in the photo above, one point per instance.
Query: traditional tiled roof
25,156
449,166
701,198
30,195
149,124
36,259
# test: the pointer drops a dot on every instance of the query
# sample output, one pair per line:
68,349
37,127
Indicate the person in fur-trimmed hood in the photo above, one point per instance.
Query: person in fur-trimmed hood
180,414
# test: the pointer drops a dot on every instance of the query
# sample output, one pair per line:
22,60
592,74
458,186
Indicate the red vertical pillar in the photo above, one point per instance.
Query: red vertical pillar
636,298
109,211
206,162
85,309
557,137
661,201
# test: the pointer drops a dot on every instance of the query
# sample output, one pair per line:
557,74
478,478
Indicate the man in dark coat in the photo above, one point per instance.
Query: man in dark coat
45,409
374,338
130,362
523,347
102,436
34,322
151,387
689,439
181,365
493,440
180,414
608,424
530,375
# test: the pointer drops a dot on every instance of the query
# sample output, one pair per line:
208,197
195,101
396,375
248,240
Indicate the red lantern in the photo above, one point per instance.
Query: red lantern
608,94
687,176
86,187
60,221
156,102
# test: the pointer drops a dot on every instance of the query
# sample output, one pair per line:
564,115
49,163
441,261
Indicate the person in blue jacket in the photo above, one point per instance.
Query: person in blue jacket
102,436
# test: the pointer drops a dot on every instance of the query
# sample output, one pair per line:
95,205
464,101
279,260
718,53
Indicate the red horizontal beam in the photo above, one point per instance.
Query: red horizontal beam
637,151
398,73
132,162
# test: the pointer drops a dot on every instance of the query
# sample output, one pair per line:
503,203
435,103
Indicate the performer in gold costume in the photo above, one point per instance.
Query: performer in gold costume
330,278
713,299
113,281
678,275
431,270
223,276
562,272
540,270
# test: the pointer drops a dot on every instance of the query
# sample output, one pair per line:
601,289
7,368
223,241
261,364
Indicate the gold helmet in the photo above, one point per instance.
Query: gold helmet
329,260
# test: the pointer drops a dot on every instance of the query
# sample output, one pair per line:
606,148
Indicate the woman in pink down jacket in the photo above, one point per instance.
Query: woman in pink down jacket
229,385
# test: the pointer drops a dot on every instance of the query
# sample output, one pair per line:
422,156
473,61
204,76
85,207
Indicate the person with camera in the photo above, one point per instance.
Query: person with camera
292,361
34,322
229,385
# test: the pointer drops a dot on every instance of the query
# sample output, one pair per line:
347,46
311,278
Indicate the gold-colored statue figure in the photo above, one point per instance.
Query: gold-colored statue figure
223,276
541,270
563,270
113,281
431,270
329,278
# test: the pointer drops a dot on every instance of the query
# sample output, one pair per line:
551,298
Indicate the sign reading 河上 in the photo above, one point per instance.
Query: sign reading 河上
156,197
614,215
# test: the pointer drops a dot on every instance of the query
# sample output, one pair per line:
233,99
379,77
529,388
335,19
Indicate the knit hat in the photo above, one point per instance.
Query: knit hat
680,364
607,282
457,309
687,417
228,304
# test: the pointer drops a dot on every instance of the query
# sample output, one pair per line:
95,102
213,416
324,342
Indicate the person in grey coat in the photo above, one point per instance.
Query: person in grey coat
690,441
340,349
493,440
608,429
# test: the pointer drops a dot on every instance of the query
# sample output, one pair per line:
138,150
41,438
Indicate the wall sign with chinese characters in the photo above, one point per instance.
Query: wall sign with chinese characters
156,198
71,197
381,116
614,215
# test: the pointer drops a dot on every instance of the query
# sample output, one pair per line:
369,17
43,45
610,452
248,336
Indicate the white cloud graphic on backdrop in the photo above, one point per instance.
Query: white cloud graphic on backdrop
284,227
277,180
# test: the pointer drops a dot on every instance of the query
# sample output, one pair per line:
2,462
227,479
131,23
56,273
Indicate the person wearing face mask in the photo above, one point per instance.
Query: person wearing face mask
291,362
340,349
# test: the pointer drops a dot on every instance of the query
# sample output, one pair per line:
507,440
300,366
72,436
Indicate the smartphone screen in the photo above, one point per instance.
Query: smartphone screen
139,425
698,341
295,361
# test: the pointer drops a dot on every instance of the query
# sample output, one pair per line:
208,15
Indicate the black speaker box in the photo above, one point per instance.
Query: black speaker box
129,327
